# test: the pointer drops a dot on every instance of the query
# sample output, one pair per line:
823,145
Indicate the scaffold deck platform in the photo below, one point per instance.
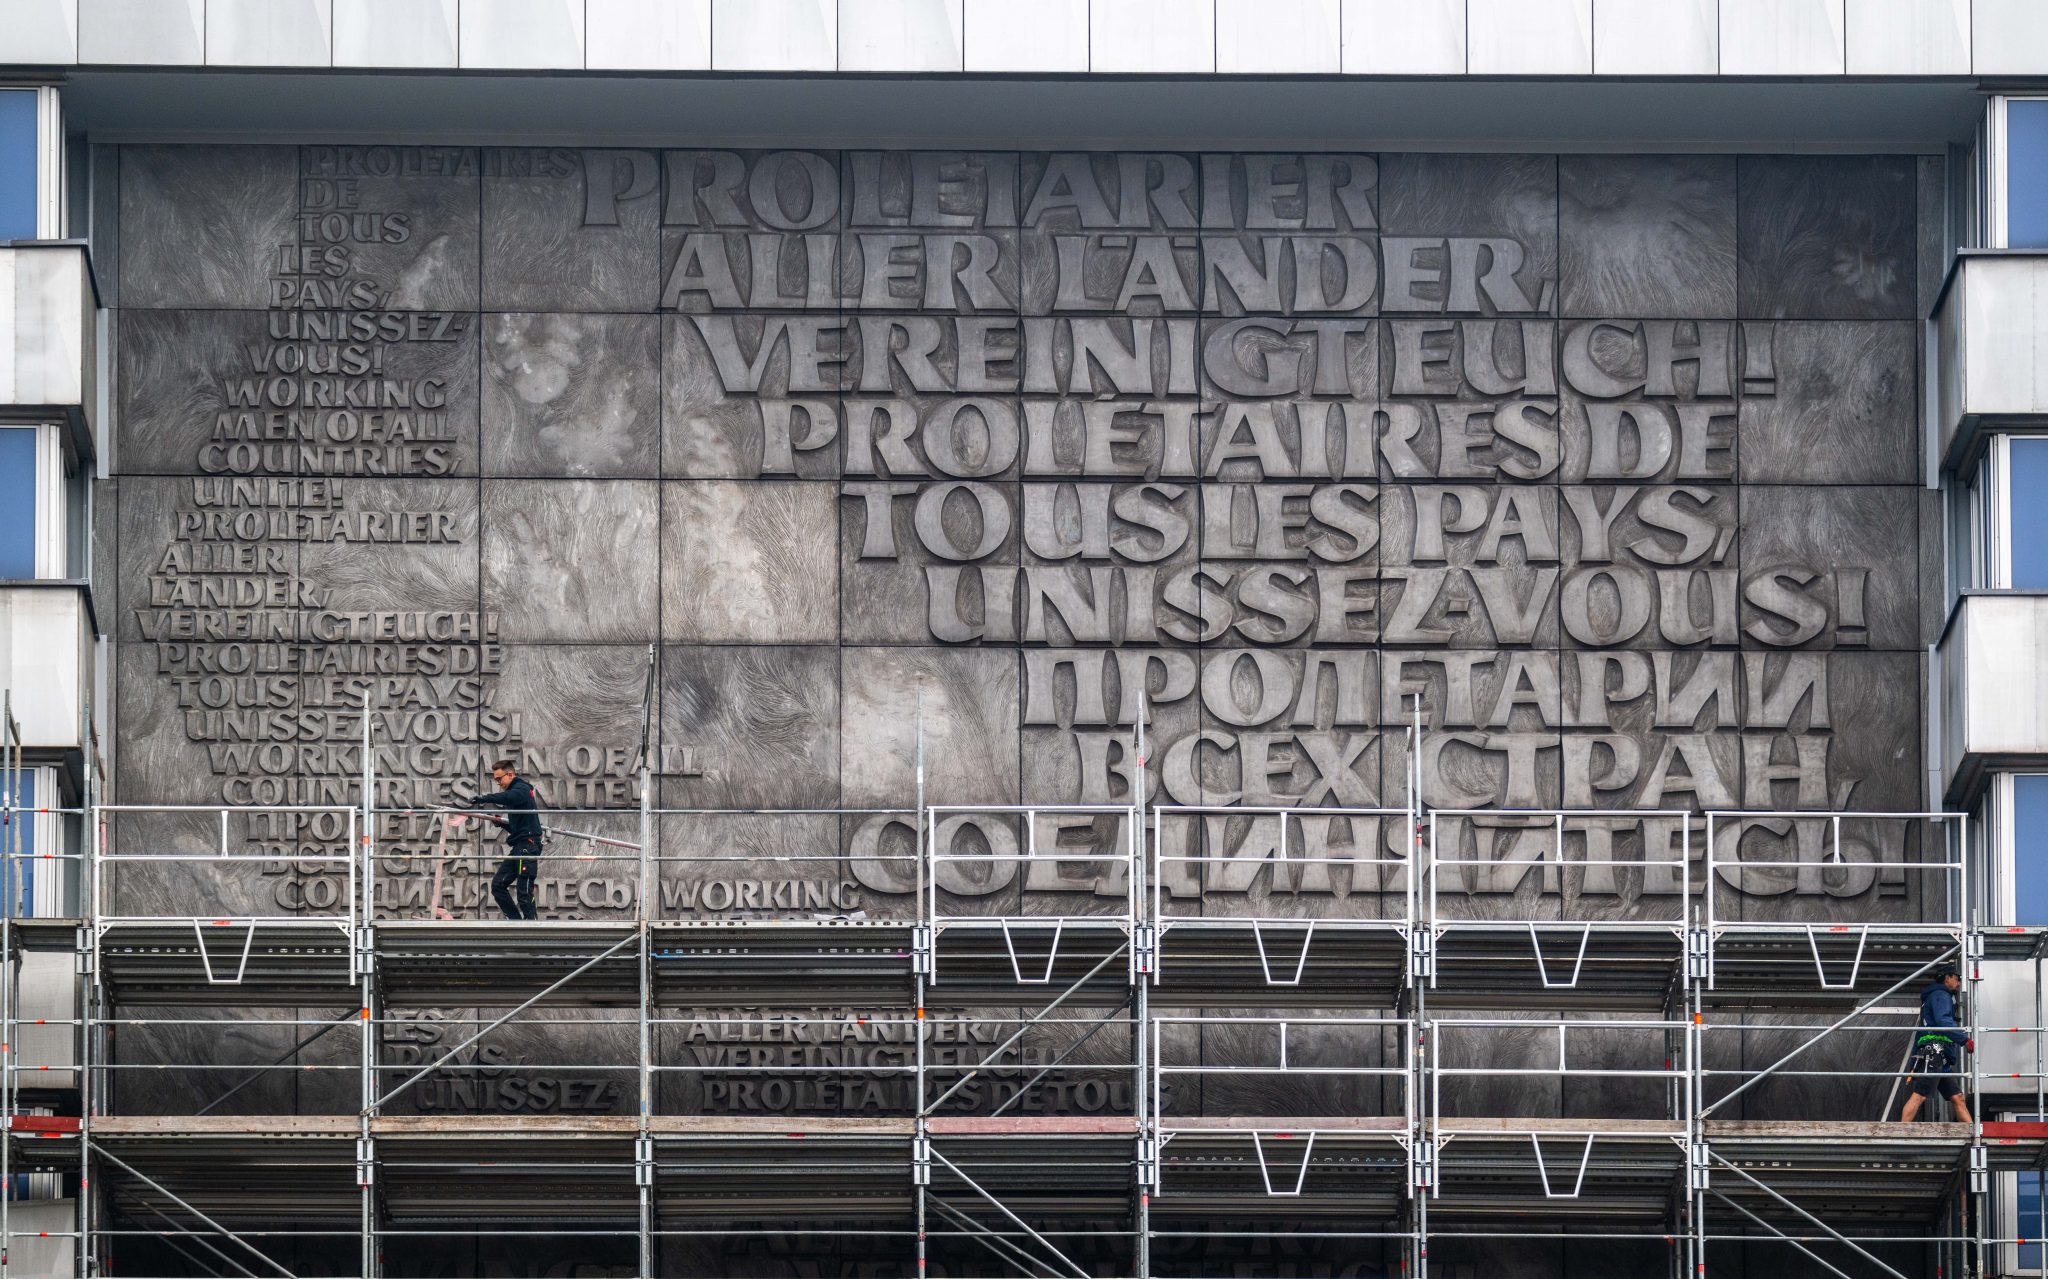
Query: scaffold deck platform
1211,1042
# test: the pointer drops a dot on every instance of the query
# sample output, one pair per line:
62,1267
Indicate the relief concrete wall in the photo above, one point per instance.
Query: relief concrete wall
1613,459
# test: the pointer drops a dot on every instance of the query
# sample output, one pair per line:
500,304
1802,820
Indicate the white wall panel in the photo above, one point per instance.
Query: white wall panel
1530,37
394,33
2010,37
41,1231
522,33
1152,36
1278,37
1656,37
775,35
1404,37
1781,37
900,35
2005,335
649,35
1909,37
163,32
46,328
45,642
269,33
39,31
1027,35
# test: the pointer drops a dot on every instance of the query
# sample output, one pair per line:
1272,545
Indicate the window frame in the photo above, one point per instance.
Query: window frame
1998,818
1981,550
52,557
1997,225
2005,1204
40,894
50,203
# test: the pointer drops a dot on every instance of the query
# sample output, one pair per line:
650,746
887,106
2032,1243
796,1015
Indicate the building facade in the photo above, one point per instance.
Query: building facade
1181,637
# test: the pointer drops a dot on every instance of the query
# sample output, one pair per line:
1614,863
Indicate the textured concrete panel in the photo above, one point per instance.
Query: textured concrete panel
733,406
574,562
749,562
966,701
404,219
1649,566
938,561
1469,567
1846,407
437,575
577,704
759,725
1830,567
1426,199
1647,235
236,393
1828,237
571,395
203,226
552,242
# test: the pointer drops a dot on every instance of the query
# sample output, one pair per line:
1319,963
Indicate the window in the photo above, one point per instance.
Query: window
22,791
33,532
2023,828
2023,1214
20,162
2026,173
1999,535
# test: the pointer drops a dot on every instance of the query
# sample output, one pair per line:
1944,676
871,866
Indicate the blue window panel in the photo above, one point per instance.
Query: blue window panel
17,896
2026,174
17,164
18,491
2030,849
2027,513
2027,1208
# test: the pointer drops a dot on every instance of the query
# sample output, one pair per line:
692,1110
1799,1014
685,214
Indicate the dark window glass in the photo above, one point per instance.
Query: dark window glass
2027,1207
2030,848
2026,174
2027,513
17,164
18,489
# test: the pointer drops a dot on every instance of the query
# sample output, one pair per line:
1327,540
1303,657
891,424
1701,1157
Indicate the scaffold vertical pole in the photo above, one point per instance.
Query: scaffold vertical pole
366,949
1147,1152
1422,1141
88,962
920,1142
1697,979
643,1170
12,818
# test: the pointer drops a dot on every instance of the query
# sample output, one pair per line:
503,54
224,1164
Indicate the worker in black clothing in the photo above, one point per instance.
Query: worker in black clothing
1938,1052
522,839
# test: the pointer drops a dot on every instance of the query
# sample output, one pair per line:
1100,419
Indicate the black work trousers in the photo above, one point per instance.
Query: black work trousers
516,875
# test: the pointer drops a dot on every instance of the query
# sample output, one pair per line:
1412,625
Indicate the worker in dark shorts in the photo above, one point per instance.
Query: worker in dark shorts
522,839
1938,1051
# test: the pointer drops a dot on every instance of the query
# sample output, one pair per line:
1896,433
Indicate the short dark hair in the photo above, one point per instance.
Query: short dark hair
504,766
1947,971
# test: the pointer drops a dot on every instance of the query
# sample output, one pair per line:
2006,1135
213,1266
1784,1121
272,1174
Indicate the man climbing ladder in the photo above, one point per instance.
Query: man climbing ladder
522,839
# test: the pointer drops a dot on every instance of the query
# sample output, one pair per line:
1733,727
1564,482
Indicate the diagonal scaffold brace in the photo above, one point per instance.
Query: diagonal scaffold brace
1019,1222
531,1000
147,1180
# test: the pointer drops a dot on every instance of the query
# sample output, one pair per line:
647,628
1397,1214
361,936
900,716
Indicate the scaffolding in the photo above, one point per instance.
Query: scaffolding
1400,1033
